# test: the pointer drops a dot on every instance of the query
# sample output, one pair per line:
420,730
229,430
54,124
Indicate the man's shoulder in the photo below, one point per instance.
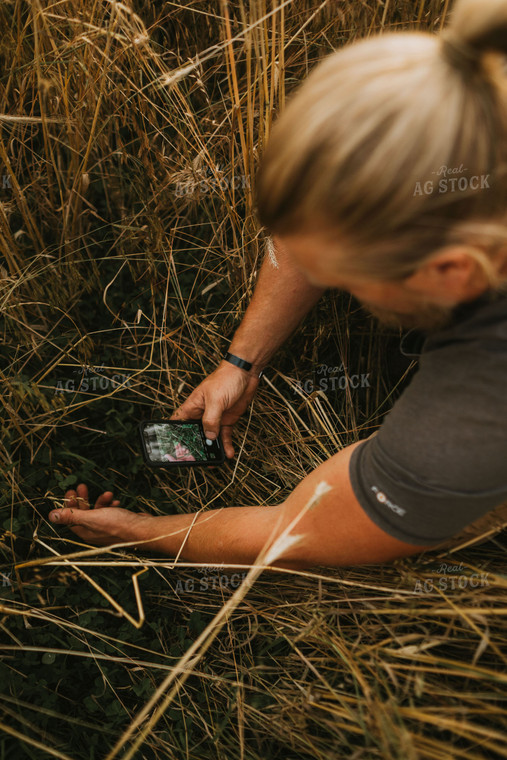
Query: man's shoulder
438,460
483,320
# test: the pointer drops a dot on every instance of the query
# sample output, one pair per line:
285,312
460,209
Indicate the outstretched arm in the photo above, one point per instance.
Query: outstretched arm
335,531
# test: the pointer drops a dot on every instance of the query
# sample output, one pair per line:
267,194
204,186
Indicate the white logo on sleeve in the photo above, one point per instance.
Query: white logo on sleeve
384,500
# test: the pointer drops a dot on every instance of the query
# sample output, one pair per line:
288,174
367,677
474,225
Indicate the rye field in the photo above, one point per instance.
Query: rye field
130,134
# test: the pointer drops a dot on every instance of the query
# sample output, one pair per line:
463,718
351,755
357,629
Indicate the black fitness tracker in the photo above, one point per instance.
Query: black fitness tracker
241,363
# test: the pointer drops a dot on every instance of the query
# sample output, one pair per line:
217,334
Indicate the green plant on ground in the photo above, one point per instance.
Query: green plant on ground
129,138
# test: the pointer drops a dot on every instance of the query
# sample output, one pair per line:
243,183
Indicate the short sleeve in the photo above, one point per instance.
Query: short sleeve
439,460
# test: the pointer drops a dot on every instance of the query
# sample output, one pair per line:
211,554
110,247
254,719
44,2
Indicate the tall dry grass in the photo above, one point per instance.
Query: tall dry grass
129,139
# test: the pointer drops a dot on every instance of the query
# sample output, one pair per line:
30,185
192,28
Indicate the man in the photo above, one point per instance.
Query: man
348,188
337,530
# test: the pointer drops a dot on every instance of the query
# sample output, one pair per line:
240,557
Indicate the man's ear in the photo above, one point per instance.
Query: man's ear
452,275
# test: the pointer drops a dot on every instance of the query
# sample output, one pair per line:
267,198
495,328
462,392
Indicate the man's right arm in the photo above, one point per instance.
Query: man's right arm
282,297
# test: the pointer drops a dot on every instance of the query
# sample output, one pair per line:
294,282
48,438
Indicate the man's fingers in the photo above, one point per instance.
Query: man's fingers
70,498
104,500
68,516
227,441
211,420
78,498
82,496
72,516
191,409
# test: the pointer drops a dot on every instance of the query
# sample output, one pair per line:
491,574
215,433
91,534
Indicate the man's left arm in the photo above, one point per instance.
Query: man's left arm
334,531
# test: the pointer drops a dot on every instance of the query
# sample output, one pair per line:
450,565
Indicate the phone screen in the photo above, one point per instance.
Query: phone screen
180,443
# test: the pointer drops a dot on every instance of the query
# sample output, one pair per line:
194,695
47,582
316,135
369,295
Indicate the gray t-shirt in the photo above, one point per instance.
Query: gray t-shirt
439,460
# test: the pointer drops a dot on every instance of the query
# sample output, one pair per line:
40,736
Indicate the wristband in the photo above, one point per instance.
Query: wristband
241,363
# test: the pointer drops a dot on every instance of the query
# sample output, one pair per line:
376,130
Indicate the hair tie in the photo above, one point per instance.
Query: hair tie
460,54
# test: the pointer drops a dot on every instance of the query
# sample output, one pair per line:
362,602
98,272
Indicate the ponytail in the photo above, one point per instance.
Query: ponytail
481,25
394,143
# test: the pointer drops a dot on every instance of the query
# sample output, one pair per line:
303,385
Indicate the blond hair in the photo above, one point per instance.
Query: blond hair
367,149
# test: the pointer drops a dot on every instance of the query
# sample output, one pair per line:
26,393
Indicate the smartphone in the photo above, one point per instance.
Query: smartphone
179,443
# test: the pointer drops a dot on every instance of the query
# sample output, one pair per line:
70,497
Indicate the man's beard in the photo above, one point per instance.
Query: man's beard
428,318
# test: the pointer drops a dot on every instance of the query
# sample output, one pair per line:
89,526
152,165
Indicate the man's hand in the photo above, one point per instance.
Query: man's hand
103,525
220,400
